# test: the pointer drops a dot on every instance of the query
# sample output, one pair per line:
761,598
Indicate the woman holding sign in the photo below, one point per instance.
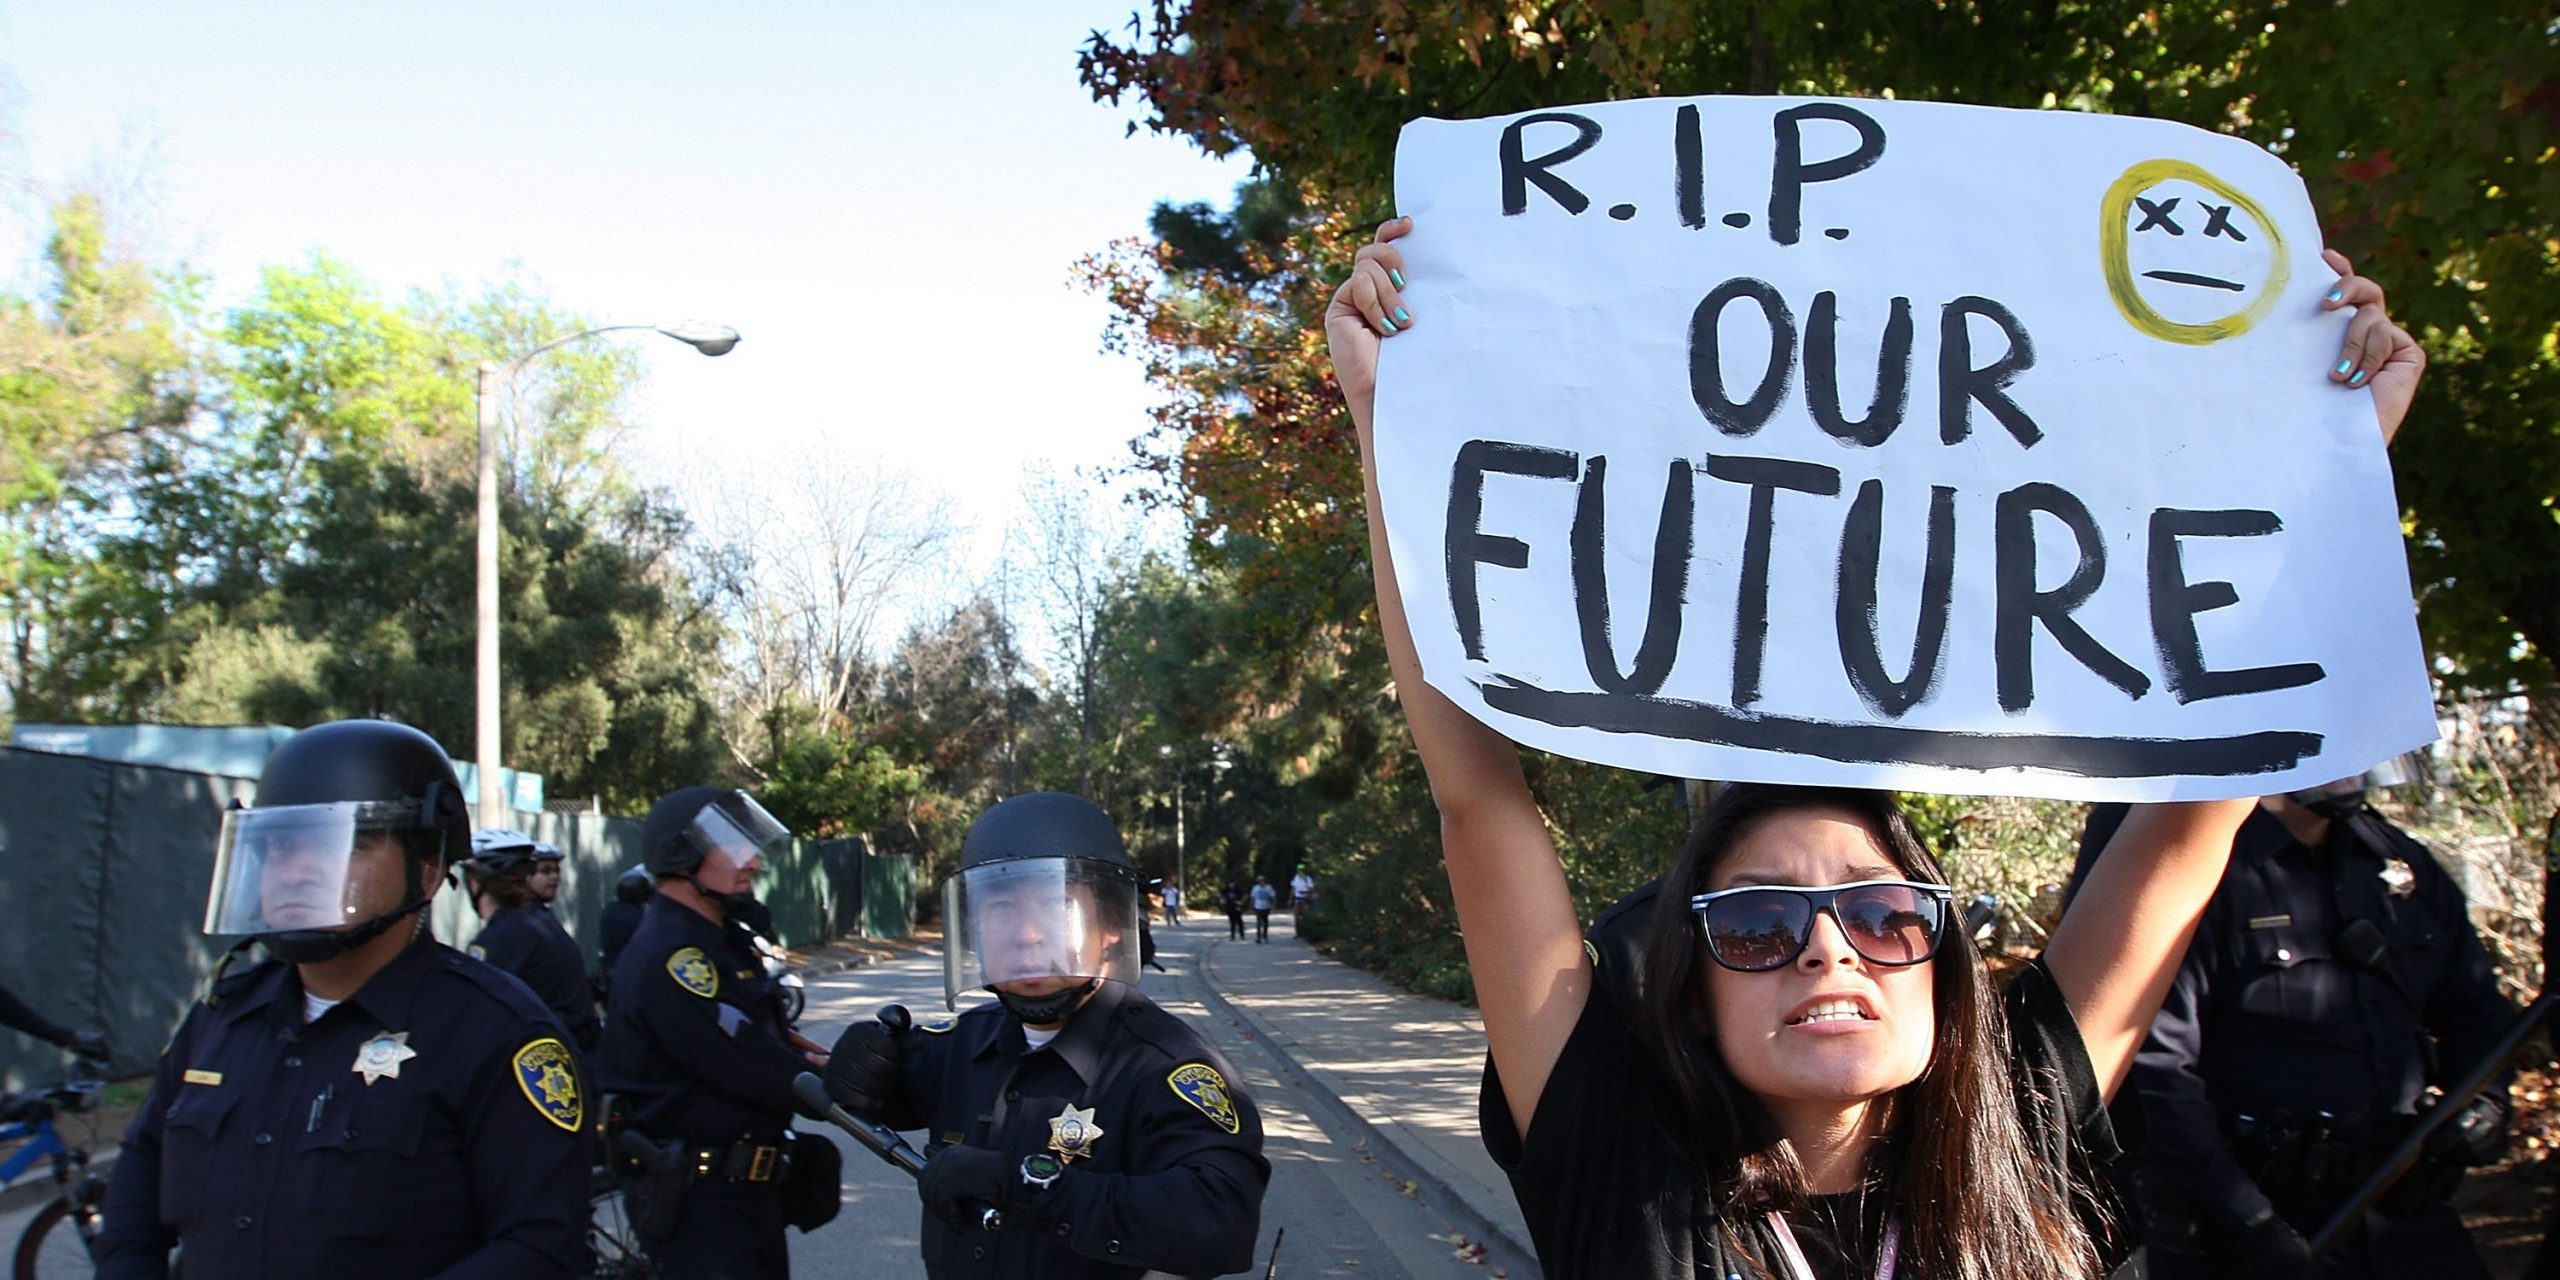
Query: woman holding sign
1807,1077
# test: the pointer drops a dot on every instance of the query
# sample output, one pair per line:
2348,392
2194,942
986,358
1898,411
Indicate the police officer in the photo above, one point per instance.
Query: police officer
520,935
2334,977
1109,1134
696,1052
367,1102
631,893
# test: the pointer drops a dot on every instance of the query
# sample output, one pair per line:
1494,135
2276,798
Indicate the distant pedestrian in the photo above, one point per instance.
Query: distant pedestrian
1173,903
1231,899
1263,898
1302,890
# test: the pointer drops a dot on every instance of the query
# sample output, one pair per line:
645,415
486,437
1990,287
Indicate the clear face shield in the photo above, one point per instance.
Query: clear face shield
1029,919
734,831
2346,795
307,866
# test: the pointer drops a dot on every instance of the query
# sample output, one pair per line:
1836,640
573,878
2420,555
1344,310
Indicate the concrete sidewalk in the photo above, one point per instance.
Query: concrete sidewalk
1406,1066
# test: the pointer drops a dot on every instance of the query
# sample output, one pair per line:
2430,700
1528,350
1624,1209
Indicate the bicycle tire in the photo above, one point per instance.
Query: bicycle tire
68,1255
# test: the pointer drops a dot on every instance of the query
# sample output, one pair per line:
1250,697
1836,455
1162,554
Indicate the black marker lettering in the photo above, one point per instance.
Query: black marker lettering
1670,583
1464,544
1706,357
1960,384
1518,173
2018,606
1751,601
1688,168
1790,173
1861,652
2175,602
1822,372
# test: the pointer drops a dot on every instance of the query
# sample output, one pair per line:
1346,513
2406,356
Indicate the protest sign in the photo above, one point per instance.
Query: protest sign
1890,444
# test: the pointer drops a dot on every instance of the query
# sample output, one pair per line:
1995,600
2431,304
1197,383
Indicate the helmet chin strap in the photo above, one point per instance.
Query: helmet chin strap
311,946
1048,1010
731,902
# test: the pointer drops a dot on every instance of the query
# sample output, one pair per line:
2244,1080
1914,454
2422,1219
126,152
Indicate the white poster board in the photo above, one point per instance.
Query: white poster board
1890,444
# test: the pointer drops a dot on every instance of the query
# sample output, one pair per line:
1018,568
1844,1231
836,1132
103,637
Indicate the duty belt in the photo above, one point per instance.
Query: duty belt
742,1161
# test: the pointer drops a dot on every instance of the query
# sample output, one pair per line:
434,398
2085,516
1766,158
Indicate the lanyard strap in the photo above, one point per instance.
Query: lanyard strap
1886,1253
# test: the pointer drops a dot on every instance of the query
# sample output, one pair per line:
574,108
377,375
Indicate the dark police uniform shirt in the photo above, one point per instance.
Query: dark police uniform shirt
2269,1016
1608,1196
527,941
695,1045
1172,1183
432,1124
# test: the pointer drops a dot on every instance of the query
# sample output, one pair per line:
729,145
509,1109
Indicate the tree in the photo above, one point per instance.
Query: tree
304,552
95,374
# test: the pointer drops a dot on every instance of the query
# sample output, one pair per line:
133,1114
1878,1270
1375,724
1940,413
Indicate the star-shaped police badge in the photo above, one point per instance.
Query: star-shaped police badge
382,1055
1072,1133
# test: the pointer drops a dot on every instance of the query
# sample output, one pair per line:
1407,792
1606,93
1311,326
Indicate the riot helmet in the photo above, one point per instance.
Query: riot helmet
354,822
1046,899
634,885
2345,797
719,827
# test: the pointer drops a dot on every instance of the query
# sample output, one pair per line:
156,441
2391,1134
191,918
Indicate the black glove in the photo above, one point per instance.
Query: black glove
89,1044
2268,1248
2476,1135
862,1073
957,1175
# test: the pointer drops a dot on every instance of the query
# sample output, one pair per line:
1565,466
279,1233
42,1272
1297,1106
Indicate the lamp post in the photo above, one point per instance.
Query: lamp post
710,340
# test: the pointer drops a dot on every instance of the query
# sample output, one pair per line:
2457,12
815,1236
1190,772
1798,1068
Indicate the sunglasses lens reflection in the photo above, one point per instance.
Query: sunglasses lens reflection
1759,930
1889,923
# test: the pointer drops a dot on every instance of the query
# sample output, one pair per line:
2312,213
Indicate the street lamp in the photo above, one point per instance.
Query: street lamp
1219,762
710,340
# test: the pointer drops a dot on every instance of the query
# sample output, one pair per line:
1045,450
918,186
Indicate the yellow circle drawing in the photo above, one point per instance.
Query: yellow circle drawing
2116,260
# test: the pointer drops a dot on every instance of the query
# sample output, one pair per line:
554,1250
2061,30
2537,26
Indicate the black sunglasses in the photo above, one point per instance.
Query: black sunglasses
1760,927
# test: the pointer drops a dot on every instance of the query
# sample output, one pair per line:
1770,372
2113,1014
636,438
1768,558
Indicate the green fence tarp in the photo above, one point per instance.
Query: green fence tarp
104,866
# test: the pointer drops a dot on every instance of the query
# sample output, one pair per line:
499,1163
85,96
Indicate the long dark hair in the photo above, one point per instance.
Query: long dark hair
1978,1200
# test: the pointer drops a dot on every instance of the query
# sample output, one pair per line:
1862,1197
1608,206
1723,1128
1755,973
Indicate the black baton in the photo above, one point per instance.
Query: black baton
883,1140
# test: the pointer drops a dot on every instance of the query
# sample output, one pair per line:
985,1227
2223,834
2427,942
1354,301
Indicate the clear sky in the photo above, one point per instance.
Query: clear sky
885,198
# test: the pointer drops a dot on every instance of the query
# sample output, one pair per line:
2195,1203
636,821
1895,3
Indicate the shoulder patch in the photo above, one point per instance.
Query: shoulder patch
1592,951
694,972
938,1027
1199,1084
549,1078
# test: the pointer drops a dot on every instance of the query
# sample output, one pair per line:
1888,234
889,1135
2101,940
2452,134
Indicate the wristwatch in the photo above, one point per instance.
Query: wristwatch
1039,1169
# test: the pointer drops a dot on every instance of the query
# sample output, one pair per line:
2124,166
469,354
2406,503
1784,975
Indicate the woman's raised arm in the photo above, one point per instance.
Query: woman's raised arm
1524,943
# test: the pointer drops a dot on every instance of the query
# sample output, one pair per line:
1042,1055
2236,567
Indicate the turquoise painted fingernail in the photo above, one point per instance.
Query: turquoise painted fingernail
2345,365
1402,318
2336,294
1395,276
2358,380
1390,324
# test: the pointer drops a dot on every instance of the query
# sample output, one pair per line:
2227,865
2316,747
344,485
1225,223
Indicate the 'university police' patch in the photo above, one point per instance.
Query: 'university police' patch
693,971
938,1027
549,1079
1199,1084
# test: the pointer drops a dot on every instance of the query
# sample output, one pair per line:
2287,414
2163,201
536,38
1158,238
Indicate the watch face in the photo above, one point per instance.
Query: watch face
1041,1166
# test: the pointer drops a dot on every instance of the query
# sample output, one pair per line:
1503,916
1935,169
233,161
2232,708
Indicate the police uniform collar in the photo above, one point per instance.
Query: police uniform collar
1080,1042
387,995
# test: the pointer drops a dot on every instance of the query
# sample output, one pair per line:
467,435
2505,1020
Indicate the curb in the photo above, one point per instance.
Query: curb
1385,1137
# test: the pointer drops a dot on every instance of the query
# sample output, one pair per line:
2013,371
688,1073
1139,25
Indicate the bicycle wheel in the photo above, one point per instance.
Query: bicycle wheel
54,1247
